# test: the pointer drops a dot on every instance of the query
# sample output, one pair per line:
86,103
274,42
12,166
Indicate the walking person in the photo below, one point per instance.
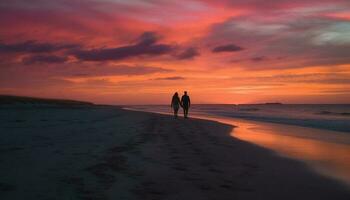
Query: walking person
185,103
175,103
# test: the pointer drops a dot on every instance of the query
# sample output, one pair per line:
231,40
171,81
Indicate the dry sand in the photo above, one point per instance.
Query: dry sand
102,152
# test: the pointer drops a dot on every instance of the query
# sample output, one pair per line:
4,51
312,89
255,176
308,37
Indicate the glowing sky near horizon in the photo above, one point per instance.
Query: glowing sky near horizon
142,51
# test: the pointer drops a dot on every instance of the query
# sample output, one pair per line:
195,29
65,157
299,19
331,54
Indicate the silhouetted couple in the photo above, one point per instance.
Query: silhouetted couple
185,103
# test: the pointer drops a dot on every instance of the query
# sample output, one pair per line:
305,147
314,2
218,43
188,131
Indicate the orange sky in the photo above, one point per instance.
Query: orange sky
141,51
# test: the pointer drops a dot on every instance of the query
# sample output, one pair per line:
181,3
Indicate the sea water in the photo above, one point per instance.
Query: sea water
322,116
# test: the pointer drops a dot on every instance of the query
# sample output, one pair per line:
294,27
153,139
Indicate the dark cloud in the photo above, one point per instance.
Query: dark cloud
148,38
258,58
253,59
146,45
32,46
43,59
227,48
171,78
188,54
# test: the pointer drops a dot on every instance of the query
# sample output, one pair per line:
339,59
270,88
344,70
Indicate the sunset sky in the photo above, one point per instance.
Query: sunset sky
142,51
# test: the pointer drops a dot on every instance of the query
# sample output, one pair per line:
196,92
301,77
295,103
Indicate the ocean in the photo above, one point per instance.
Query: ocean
322,116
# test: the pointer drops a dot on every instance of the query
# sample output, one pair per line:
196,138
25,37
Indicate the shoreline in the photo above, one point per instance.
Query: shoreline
109,153
328,156
321,119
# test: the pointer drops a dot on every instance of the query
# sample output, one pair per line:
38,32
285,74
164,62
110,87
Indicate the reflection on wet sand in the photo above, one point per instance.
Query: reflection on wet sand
327,152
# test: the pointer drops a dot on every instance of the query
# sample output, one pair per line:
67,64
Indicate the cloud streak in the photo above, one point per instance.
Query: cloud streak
32,46
227,48
170,78
189,53
146,46
43,59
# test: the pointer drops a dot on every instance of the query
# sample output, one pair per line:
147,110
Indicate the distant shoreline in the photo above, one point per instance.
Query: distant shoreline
12,99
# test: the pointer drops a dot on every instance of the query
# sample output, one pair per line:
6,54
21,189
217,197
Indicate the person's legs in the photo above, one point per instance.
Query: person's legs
176,109
175,112
185,111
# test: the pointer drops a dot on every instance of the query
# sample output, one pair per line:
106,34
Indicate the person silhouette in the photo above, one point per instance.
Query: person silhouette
185,103
175,103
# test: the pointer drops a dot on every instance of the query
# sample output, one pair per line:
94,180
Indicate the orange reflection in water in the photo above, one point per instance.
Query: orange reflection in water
328,152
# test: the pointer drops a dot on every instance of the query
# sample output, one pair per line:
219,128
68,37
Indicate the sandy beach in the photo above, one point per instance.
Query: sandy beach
105,152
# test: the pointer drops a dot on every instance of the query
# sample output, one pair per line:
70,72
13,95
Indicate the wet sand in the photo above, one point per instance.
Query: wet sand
327,152
98,152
